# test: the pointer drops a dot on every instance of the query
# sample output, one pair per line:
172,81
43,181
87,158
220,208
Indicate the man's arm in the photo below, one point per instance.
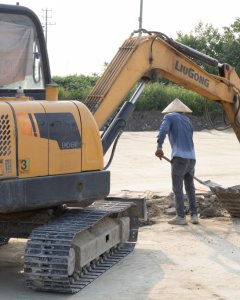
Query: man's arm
163,131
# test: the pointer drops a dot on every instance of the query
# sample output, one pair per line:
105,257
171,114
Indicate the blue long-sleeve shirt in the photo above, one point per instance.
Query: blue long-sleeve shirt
179,129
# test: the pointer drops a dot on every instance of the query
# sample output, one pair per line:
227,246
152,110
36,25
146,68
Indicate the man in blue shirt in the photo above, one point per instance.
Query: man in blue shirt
179,129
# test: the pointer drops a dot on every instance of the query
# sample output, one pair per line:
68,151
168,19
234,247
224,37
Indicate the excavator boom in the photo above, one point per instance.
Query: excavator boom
154,55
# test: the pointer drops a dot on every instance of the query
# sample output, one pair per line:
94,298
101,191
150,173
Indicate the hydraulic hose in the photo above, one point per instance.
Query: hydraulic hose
209,119
113,150
236,120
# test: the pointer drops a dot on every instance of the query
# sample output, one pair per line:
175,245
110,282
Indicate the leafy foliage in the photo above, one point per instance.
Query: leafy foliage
75,87
157,96
223,46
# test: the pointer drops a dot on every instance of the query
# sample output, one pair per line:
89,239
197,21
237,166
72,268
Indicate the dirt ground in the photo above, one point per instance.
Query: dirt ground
161,207
169,262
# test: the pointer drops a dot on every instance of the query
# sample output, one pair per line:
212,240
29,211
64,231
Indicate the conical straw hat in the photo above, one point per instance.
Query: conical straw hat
176,106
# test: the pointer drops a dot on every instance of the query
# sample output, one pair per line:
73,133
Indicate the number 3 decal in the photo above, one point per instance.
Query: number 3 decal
24,165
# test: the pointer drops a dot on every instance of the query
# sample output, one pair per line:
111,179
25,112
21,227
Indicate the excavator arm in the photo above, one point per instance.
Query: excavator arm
148,57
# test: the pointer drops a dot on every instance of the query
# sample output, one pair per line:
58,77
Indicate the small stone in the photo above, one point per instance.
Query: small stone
208,212
170,211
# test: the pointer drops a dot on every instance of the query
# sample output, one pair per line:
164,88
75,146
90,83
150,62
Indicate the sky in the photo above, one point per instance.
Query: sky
87,33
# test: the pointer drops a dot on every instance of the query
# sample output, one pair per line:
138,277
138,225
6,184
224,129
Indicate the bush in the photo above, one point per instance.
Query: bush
157,96
75,87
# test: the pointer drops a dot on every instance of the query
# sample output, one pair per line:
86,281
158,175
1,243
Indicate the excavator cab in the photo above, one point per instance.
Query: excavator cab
24,64
41,139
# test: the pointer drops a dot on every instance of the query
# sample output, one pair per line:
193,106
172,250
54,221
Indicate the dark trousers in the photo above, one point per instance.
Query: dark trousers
183,172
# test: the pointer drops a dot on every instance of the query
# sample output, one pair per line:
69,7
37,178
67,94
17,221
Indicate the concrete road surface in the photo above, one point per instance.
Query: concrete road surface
135,167
169,262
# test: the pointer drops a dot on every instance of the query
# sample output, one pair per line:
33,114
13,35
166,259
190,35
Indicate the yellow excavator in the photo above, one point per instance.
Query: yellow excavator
53,183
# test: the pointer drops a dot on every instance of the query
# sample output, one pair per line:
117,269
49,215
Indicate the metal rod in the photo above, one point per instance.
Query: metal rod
118,123
140,15
137,92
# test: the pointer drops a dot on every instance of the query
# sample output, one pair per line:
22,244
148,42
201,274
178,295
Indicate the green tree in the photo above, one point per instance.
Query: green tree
206,39
231,46
223,46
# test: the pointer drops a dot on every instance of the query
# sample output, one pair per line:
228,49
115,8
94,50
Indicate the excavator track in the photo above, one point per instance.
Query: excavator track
46,259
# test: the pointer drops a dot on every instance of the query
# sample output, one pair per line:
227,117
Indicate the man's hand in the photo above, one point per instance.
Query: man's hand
159,153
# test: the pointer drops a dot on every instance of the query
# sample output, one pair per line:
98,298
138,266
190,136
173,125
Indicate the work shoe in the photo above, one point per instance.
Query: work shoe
178,221
194,219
